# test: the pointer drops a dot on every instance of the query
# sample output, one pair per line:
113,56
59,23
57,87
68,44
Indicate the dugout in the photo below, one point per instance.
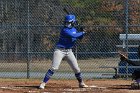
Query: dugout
125,68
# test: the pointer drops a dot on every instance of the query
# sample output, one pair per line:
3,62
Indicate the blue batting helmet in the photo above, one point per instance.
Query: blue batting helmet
70,18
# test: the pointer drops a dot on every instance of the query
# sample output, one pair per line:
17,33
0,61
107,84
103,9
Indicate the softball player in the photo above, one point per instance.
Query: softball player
67,39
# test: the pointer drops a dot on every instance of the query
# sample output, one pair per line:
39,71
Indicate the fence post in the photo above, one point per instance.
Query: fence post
28,60
126,31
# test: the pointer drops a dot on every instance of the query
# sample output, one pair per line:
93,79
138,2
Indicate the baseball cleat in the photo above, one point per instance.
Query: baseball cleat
82,85
42,86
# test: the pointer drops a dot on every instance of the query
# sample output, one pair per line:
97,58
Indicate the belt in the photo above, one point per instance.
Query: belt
63,48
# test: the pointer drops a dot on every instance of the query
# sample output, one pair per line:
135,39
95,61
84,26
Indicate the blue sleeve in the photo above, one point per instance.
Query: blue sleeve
73,35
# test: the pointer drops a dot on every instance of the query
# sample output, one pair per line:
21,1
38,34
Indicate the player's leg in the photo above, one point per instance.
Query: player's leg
74,65
48,75
57,57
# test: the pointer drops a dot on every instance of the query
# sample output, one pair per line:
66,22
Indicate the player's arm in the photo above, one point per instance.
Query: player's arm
74,34
125,59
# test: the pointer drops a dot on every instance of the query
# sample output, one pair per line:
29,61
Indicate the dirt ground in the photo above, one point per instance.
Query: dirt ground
66,86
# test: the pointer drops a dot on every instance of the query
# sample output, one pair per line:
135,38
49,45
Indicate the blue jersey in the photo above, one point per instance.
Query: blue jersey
68,37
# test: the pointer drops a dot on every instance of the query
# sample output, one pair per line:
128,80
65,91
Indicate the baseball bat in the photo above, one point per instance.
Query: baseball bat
66,11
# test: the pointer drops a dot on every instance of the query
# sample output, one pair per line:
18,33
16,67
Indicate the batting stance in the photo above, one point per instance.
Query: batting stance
67,39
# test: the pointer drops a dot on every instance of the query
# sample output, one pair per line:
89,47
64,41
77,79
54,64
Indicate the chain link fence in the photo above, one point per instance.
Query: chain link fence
29,30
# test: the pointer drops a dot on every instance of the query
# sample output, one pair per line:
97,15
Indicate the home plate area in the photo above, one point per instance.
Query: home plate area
52,90
89,89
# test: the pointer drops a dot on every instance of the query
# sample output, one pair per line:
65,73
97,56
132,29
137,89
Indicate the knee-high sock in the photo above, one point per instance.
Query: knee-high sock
48,75
79,77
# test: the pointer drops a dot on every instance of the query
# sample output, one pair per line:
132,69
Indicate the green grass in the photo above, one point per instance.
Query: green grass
91,65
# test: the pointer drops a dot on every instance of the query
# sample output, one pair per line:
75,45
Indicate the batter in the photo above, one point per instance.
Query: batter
68,37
